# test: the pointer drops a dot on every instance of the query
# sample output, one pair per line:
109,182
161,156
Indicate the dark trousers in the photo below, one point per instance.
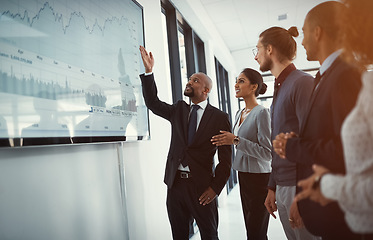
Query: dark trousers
327,222
349,236
253,190
183,206
366,236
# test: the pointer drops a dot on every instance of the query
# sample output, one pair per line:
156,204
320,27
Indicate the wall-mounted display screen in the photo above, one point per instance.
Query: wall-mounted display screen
69,72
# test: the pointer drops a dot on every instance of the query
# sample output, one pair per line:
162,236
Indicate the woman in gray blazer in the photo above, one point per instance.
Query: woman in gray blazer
252,137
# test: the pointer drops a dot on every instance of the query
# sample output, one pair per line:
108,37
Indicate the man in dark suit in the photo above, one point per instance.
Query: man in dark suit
192,184
336,88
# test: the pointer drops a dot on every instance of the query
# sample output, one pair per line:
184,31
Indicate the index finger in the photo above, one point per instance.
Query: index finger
143,50
304,184
217,136
281,135
301,195
269,209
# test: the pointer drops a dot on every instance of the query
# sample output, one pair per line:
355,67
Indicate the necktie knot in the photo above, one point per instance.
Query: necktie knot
316,81
195,107
317,78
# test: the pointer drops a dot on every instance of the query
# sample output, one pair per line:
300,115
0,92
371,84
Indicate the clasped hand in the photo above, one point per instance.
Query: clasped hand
225,138
279,143
310,189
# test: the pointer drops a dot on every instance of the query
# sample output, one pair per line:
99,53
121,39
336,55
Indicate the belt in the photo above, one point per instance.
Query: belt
184,174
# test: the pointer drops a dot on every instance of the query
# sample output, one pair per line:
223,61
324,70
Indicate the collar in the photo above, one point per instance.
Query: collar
202,104
284,74
329,61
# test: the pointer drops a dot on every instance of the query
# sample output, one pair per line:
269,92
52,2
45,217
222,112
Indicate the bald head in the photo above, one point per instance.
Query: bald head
326,15
206,80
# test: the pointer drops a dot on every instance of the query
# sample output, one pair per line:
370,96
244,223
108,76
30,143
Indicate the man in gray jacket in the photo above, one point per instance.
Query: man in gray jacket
276,49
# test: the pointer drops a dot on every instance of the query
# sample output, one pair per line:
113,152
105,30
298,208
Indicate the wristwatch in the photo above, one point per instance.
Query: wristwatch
236,140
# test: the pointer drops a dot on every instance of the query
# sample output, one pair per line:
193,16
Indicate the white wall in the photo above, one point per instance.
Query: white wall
61,193
73,192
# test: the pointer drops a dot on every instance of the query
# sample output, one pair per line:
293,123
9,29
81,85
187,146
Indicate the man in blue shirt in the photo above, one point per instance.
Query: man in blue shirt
276,49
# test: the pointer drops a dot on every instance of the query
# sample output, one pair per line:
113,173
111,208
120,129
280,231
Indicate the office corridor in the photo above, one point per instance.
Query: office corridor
231,223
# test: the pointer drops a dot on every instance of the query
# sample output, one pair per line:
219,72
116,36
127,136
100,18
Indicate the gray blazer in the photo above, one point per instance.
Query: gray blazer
254,150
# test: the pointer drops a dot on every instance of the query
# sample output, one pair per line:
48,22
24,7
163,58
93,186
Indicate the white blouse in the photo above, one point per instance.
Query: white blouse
354,191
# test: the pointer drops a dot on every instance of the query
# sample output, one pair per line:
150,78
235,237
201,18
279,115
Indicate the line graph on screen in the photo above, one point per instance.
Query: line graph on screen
71,69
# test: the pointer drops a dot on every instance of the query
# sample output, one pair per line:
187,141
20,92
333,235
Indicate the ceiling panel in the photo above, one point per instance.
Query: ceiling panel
231,27
235,43
211,1
239,22
221,11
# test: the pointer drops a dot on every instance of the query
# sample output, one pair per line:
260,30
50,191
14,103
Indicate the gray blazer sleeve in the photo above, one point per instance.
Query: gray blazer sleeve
255,135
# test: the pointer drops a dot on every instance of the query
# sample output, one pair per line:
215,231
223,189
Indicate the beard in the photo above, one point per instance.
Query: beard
267,64
189,94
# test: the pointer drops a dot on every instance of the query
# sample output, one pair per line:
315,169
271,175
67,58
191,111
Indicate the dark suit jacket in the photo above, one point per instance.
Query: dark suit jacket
319,140
200,153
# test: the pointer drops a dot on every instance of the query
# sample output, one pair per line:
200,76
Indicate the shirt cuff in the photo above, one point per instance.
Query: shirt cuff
331,185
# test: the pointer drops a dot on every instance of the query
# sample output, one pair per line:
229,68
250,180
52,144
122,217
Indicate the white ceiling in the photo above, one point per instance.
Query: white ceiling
239,23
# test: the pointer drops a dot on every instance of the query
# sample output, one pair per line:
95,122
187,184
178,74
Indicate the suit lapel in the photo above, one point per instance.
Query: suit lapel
317,91
312,100
238,116
204,121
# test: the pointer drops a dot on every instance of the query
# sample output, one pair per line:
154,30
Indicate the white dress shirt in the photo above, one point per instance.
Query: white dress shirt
202,106
327,63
